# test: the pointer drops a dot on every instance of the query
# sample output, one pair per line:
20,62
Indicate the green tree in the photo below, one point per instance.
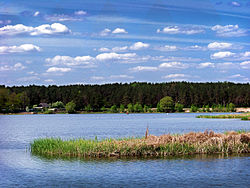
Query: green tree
145,108
178,107
167,104
158,107
113,109
207,108
88,108
130,108
194,108
231,107
58,104
70,107
138,108
122,108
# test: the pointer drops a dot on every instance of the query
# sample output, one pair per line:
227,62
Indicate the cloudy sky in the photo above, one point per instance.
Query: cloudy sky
86,42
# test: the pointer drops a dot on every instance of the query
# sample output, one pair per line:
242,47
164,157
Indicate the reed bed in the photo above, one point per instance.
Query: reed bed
165,145
245,116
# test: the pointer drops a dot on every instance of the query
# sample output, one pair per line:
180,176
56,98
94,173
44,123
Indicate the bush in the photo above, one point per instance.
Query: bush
178,107
57,104
70,107
122,108
138,108
113,109
130,108
166,104
194,108
88,108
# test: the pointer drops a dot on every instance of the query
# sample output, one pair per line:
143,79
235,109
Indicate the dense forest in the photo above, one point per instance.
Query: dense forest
107,95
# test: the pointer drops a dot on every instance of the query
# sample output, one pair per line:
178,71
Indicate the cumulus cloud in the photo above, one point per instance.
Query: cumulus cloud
221,55
49,80
175,65
138,46
16,67
206,65
175,76
36,13
28,78
180,30
120,49
57,69
122,76
227,65
115,56
80,13
143,68
219,45
245,65
229,31
69,61
104,50
46,29
119,31
105,32
19,49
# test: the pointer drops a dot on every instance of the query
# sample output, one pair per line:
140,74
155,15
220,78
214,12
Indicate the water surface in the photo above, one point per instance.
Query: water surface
19,168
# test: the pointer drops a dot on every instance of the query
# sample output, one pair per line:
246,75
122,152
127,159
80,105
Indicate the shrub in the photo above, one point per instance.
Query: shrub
70,107
167,104
178,107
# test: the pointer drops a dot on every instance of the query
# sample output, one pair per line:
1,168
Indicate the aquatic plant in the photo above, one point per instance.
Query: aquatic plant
244,116
165,145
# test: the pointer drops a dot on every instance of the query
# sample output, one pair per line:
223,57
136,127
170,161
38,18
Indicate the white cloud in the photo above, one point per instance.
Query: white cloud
80,13
19,49
46,29
120,49
143,68
246,54
16,67
229,31
61,18
36,13
49,80
180,30
206,65
104,50
119,31
235,4
236,76
219,45
221,55
167,48
139,46
227,65
122,76
175,65
175,76
69,61
245,65
97,78
115,56
5,21
105,32
57,69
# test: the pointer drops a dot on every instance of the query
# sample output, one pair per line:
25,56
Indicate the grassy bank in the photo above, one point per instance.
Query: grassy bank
165,145
244,116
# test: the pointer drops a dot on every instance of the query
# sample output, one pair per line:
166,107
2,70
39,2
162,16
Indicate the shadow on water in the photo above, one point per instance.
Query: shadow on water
201,157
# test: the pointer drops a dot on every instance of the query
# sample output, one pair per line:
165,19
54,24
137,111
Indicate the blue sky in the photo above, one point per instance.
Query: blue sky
95,42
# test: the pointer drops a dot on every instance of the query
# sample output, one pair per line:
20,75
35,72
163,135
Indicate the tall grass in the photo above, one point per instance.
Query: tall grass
165,145
244,116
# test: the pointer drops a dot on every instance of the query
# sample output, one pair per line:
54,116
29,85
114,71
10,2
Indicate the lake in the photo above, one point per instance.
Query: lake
19,168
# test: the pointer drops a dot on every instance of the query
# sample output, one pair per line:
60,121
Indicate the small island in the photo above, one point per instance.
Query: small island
208,142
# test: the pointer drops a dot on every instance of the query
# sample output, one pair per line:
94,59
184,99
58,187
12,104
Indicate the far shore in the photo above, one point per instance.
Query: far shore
185,110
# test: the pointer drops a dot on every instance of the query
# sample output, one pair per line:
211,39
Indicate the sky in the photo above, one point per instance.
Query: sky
62,42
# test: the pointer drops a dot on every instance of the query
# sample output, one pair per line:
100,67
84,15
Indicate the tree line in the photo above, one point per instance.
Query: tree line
148,95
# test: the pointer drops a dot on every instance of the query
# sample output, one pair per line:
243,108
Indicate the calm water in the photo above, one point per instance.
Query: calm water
19,168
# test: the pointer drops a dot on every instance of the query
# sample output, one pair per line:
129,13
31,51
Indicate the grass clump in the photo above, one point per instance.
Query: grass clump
244,116
165,145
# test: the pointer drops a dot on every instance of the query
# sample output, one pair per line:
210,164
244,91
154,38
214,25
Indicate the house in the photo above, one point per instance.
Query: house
43,105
